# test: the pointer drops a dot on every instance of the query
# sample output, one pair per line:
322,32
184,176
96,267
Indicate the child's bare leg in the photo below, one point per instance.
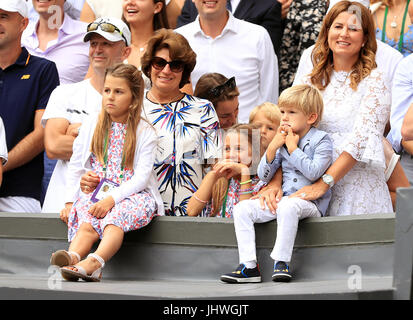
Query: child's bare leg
82,243
110,244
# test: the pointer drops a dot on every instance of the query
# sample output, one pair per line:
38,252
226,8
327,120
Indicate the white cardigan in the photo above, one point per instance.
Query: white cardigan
144,175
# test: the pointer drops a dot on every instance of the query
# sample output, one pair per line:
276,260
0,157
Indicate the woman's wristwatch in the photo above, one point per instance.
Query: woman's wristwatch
328,179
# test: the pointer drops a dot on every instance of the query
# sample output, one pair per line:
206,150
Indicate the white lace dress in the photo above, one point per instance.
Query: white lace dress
355,121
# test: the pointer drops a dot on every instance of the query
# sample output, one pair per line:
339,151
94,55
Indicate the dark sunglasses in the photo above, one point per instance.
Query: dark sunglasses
107,27
159,64
228,85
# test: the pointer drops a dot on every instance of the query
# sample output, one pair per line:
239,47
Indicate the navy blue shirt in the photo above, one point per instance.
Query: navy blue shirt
25,87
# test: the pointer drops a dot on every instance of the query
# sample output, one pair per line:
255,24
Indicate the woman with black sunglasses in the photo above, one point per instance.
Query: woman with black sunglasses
187,126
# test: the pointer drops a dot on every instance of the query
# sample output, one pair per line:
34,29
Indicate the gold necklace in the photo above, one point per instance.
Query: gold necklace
152,97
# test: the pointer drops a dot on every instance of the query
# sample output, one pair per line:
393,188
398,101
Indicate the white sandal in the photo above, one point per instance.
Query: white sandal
96,275
62,258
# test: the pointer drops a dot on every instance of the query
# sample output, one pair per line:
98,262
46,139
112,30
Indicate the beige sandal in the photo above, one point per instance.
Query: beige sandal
62,258
72,275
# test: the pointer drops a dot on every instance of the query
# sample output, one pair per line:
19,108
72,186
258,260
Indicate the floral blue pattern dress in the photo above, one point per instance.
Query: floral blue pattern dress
188,131
406,46
131,213
232,197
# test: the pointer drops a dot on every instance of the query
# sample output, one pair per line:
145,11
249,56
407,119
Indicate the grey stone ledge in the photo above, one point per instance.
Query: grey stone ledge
216,232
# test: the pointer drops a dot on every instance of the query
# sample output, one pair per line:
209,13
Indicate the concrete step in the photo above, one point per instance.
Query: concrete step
183,257
23,287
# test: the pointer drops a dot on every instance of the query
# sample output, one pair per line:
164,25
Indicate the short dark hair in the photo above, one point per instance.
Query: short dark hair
179,49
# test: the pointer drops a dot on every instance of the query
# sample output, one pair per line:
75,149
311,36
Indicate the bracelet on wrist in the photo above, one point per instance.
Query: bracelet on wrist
202,201
245,182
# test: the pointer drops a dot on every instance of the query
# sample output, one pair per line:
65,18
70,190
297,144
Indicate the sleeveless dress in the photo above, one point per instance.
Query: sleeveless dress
407,45
131,213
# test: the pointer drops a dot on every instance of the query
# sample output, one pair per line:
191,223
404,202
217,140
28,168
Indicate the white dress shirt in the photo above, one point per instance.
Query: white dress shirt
73,102
402,97
243,50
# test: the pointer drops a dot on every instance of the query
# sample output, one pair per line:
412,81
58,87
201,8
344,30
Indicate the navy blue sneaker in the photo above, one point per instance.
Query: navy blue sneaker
243,275
281,272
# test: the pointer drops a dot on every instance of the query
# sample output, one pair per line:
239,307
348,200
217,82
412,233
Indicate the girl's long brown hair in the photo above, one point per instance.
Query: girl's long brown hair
322,56
134,78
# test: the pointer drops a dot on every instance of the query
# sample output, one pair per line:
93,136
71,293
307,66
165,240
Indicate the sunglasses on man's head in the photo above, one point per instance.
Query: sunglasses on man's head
159,64
230,84
105,26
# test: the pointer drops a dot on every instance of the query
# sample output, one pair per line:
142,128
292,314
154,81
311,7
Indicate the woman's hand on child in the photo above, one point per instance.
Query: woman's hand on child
64,213
102,207
269,196
89,182
312,191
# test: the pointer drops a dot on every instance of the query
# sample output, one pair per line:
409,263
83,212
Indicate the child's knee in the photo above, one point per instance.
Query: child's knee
87,229
245,208
288,206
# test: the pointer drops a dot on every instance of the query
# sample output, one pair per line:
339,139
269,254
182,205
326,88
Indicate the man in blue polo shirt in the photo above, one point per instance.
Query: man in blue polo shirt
25,86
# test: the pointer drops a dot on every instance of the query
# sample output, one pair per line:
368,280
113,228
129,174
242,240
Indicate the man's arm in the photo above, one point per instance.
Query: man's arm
29,147
268,70
407,125
272,22
58,143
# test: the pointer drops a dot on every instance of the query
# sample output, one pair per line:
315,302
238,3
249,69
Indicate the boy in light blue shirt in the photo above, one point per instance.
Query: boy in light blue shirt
304,153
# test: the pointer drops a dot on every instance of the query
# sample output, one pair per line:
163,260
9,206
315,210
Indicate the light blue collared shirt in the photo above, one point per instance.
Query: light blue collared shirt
68,51
402,97
303,166
72,7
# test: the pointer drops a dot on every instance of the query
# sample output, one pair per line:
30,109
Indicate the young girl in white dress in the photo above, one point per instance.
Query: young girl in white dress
115,146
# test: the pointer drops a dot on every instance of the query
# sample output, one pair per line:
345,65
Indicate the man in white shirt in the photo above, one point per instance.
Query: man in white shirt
402,98
69,104
233,47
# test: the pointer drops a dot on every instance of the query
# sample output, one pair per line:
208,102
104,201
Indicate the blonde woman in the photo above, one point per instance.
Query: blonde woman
356,109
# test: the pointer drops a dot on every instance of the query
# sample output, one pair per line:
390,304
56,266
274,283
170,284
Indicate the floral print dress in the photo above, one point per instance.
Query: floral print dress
232,197
131,213
302,25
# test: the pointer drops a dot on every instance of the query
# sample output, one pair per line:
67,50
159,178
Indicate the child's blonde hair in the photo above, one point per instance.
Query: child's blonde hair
270,110
135,82
304,97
